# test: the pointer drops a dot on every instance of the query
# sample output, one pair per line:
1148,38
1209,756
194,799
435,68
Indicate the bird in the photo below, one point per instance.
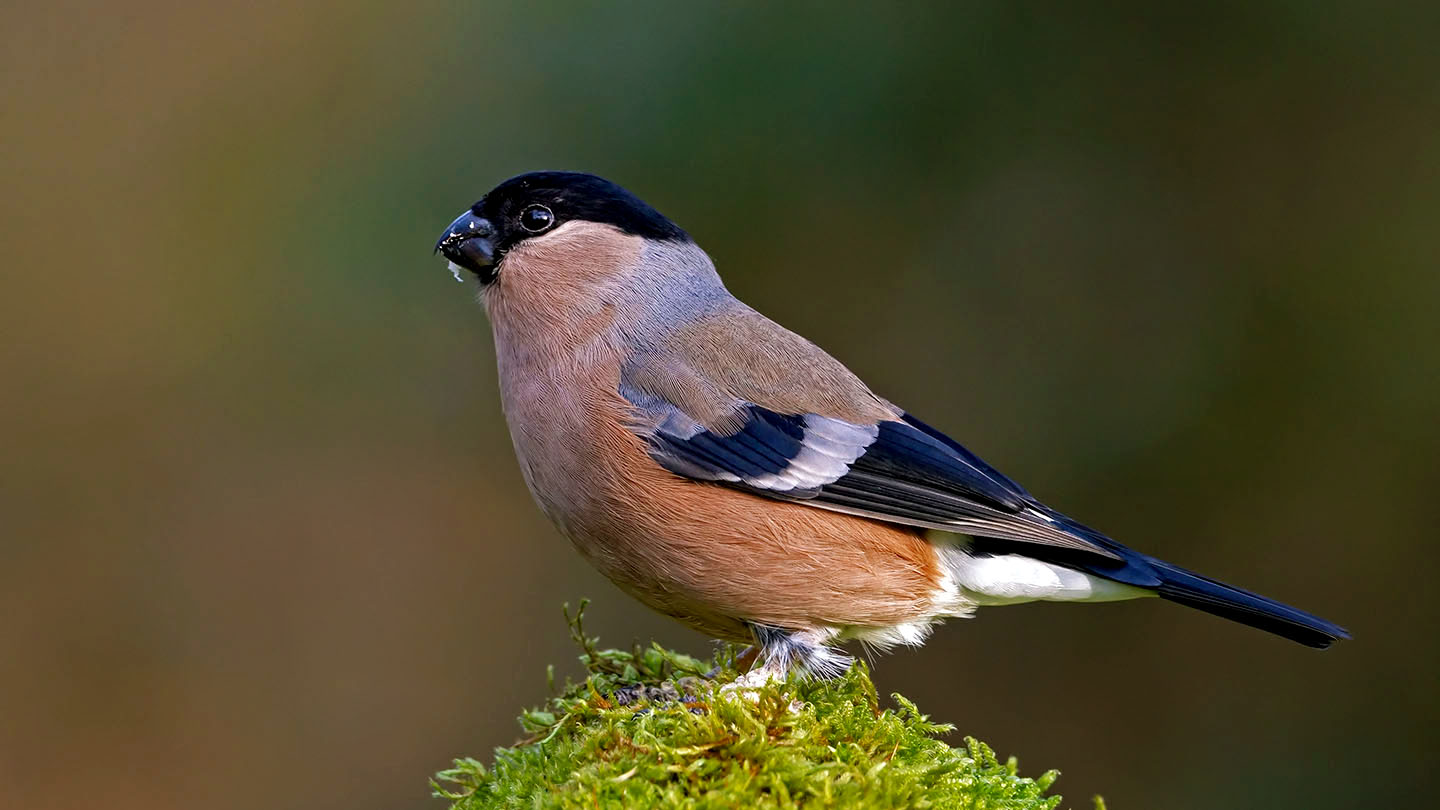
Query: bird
727,472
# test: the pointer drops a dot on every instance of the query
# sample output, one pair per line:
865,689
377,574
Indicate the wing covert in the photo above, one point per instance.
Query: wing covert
899,471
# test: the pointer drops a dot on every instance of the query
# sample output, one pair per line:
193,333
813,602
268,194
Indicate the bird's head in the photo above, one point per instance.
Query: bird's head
560,254
550,215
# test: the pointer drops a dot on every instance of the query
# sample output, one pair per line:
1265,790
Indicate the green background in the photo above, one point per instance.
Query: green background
263,542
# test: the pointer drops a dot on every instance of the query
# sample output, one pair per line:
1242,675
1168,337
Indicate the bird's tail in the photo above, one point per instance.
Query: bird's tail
1217,598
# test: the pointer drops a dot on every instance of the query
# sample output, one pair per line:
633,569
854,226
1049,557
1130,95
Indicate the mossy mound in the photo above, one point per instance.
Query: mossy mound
647,730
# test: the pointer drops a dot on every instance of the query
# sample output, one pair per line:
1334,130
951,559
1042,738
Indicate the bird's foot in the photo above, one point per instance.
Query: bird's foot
779,651
749,686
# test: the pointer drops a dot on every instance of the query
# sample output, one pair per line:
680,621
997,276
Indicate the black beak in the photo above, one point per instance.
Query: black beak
468,243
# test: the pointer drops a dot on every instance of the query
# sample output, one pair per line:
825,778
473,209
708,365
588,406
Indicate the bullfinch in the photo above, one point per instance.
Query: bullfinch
728,472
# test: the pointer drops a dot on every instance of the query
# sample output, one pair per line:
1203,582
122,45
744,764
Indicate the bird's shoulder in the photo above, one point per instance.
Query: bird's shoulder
712,364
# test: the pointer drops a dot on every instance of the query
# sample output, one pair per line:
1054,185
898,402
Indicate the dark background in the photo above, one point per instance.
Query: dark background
263,542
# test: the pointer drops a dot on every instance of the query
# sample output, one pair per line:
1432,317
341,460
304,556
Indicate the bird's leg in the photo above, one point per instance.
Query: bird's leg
743,661
746,659
764,672
808,650
781,650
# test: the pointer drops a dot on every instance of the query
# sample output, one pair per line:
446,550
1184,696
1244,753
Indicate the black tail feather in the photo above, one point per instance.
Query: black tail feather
1202,593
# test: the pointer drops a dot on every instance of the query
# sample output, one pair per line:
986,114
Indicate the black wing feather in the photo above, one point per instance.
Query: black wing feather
899,471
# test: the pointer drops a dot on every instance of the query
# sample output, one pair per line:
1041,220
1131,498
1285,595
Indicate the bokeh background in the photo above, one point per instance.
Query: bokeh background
263,542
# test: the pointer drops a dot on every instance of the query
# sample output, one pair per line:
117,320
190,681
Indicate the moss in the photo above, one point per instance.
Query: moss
645,729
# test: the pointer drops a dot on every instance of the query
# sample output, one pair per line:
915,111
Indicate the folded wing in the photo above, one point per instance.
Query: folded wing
900,471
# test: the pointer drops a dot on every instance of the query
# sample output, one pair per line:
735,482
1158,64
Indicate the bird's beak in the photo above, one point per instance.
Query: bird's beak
468,243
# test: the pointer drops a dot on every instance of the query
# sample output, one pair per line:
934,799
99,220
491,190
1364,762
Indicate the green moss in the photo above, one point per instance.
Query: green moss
644,730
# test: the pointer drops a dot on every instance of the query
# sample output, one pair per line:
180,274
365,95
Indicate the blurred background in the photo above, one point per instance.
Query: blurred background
263,542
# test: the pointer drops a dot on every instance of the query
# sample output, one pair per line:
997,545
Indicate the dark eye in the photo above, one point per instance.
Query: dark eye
536,218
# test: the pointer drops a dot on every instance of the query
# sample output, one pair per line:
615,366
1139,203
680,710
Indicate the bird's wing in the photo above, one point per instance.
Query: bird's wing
735,412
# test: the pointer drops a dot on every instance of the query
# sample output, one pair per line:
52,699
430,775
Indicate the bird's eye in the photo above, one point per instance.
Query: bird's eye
536,218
